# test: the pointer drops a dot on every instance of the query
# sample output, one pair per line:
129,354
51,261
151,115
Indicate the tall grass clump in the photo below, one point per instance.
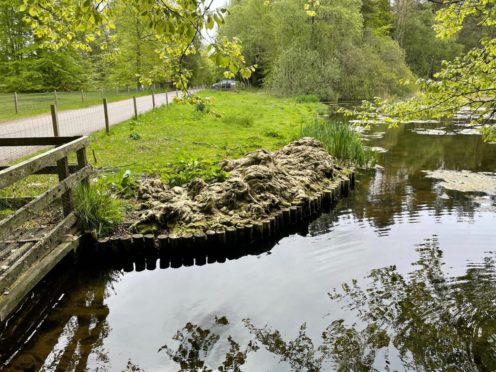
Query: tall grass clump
341,141
307,99
97,210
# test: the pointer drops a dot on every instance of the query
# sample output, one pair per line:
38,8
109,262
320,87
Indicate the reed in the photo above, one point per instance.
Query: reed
97,210
341,141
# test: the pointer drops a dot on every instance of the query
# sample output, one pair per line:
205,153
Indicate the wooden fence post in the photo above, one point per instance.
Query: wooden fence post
153,99
16,103
135,108
55,120
83,162
63,173
105,112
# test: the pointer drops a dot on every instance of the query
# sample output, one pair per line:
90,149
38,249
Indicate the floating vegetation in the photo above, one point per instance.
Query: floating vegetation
465,181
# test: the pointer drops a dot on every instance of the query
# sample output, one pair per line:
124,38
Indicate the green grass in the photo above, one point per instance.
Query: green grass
31,104
232,125
341,141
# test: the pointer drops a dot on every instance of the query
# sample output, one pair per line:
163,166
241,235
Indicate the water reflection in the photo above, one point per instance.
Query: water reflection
396,318
421,321
71,330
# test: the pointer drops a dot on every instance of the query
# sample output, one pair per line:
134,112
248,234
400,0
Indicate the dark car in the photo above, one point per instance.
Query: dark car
225,84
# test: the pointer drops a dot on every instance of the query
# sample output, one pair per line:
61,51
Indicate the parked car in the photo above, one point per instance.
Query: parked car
225,84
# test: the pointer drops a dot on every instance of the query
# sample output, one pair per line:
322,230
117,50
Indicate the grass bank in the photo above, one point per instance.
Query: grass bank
232,125
181,142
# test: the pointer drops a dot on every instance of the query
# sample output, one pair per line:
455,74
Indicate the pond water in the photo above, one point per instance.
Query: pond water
400,275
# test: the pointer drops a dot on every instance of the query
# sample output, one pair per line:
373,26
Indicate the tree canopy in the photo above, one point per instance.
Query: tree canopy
464,84
324,48
125,41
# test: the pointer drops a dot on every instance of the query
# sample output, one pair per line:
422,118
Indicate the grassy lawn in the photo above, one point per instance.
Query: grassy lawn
238,122
31,104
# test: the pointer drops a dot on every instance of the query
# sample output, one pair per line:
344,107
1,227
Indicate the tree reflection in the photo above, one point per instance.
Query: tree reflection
421,321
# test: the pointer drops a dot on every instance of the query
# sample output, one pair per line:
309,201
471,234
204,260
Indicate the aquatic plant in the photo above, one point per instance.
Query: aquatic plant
97,210
340,140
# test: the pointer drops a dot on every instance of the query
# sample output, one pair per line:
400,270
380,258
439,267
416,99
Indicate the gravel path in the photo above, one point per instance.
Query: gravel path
73,122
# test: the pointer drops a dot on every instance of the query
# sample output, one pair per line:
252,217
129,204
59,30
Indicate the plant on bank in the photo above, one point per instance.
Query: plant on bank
341,141
185,170
97,210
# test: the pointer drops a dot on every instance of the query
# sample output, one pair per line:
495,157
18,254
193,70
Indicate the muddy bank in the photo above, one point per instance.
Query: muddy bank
259,186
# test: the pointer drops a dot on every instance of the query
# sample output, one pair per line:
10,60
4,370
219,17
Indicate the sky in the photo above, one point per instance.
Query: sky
219,3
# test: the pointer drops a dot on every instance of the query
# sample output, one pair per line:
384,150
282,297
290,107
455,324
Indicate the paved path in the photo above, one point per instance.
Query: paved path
73,122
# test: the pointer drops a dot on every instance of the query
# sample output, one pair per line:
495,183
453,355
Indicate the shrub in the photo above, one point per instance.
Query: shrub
341,141
97,210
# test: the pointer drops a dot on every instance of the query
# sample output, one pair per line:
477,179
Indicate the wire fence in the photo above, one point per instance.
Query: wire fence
15,105
74,122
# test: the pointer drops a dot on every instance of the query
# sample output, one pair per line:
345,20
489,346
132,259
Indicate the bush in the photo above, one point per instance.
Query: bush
341,141
97,210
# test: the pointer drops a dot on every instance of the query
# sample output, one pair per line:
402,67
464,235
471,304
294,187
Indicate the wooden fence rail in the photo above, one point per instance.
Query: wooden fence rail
23,263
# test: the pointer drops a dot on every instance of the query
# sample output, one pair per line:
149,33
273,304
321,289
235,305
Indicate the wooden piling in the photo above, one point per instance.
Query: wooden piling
249,233
286,216
292,215
231,235
266,229
258,231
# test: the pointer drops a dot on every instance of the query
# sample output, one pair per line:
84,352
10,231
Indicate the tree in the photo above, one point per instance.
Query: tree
414,31
26,67
177,24
465,83
319,47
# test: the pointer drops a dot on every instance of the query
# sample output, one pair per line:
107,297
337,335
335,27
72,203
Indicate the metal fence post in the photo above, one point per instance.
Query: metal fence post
153,99
56,97
135,108
82,96
55,120
166,99
16,103
105,112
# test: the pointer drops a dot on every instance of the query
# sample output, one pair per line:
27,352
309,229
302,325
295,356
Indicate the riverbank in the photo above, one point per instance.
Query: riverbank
233,124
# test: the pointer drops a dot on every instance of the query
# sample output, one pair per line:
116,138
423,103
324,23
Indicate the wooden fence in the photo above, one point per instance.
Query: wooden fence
23,263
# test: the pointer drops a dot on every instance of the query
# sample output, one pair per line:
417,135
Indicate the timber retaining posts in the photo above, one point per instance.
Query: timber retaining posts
186,249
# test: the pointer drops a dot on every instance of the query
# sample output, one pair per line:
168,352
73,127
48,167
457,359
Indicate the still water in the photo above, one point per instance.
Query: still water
400,276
